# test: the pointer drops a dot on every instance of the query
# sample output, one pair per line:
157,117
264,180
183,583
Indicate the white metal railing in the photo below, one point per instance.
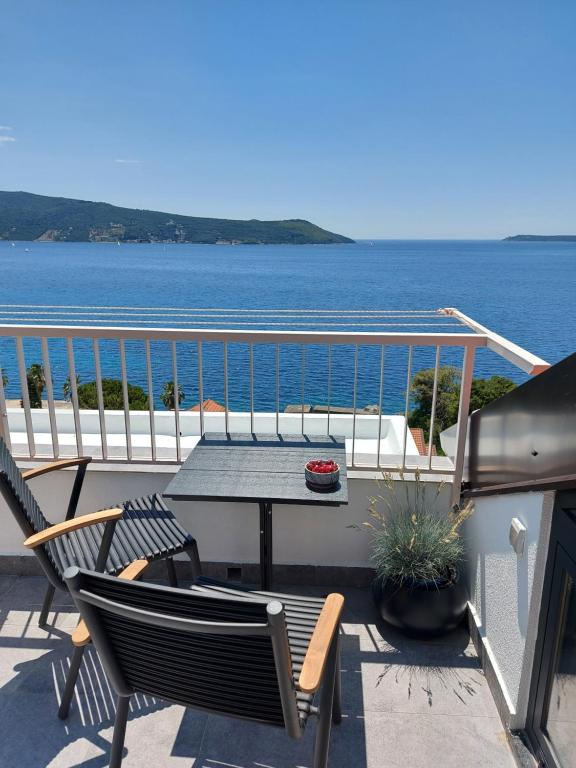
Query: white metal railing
474,337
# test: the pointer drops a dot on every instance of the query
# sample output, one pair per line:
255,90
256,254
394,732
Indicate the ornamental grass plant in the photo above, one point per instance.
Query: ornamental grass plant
415,537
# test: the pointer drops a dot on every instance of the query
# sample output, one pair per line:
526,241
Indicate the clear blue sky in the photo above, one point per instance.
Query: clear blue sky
392,118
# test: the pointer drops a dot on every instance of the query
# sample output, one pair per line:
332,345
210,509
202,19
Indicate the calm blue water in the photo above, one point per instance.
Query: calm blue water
524,291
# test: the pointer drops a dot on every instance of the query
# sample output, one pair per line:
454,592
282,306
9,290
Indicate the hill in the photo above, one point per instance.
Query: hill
543,238
25,216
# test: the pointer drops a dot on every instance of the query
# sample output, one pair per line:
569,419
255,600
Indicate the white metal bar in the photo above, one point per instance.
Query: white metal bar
380,402
407,406
50,397
151,409
77,311
200,385
127,425
354,392
74,388
226,407
433,408
4,425
462,429
303,386
407,312
177,403
277,389
262,337
515,354
100,399
25,396
251,379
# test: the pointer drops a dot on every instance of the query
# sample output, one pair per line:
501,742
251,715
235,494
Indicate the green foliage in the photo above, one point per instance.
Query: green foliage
113,397
36,382
4,377
412,539
24,216
483,391
446,399
167,397
67,388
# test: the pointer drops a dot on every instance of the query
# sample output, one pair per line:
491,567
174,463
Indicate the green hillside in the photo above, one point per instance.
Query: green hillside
543,238
24,216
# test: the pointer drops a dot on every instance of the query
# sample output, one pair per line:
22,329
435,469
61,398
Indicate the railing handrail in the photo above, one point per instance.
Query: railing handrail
246,337
515,354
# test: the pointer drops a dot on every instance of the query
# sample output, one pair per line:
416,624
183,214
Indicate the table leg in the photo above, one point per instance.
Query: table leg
265,545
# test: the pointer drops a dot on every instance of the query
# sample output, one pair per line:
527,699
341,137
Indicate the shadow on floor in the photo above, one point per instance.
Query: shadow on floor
400,701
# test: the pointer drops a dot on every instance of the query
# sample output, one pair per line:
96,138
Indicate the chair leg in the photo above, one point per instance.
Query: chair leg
46,605
192,552
337,703
322,742
172,580
71,681
122,708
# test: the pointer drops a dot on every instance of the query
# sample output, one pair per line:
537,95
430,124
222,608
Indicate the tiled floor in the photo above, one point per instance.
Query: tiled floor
407,704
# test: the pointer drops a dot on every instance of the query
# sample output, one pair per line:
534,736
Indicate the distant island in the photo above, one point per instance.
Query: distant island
25,216
544,238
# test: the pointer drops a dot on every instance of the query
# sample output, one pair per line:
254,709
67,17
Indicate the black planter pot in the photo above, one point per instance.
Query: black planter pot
422,608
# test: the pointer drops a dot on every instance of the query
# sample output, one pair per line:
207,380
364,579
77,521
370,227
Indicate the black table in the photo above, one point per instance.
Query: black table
263,469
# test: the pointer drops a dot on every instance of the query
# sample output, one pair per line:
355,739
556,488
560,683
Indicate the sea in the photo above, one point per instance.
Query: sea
525,291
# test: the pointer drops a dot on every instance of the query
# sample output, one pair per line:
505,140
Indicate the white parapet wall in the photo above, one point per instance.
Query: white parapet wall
506,588
391,430
303,535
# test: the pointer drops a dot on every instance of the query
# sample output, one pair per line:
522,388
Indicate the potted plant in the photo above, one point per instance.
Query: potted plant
417,552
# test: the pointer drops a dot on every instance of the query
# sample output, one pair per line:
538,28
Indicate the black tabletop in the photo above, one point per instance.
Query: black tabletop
258,468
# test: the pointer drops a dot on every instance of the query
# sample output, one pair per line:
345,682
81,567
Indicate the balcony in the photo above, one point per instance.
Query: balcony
453,701
405,703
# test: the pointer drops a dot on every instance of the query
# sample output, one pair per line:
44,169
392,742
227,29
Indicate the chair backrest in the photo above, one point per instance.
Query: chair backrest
220,653
24,507
18,495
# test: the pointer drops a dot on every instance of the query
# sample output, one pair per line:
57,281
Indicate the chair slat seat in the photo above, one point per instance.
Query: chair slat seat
147,530
301,618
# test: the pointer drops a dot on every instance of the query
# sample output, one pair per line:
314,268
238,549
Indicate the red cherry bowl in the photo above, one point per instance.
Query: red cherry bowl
322,473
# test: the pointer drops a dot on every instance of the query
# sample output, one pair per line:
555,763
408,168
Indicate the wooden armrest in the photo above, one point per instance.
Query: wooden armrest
54,465
105,516
317,653
81,636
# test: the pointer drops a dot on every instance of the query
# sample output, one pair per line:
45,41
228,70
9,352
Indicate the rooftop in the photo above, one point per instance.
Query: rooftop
406,703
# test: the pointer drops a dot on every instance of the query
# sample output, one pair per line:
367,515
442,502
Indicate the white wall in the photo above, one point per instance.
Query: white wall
505,588
225,532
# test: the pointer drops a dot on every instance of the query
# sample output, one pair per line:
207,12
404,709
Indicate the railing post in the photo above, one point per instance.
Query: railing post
151,409
100,398
4,426
50,396
407,406
74,393
25,396
465,389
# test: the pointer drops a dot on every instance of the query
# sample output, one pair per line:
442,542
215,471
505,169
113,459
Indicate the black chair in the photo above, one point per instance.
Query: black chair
108,540
251,655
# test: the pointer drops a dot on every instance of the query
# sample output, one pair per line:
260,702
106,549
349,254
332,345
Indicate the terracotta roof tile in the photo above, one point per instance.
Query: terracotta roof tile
421,444
209,405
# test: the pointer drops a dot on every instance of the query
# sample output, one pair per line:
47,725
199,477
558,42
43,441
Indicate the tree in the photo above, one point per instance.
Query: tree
167,396
4,377
446,399
482,392
67,388
36,381
112,395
